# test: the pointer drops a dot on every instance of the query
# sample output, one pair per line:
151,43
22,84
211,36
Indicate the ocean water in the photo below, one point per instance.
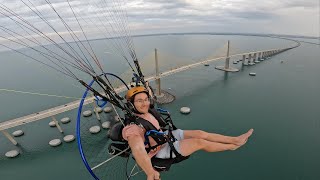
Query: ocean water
281,103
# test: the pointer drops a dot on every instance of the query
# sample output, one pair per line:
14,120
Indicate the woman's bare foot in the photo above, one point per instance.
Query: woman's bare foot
242,139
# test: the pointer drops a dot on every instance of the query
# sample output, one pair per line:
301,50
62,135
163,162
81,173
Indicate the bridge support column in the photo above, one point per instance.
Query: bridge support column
227,67
250,62
57,124
255,58
259,56
243,59
158,83
8,136
227,63
96,111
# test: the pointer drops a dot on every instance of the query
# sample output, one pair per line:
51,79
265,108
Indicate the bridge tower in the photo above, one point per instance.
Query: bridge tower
158,83
227,67
162,96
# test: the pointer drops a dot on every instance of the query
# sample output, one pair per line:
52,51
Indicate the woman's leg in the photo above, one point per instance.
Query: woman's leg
189,146
199,134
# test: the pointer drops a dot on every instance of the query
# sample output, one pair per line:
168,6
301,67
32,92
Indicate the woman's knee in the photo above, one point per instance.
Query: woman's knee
200,143
201,134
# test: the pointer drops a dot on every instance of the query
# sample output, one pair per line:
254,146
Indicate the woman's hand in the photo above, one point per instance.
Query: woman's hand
154,176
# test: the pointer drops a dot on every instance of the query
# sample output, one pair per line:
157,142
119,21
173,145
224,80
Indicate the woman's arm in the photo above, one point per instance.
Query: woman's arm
140,154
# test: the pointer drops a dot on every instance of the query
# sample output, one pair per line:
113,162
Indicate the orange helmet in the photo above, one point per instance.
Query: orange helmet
135,90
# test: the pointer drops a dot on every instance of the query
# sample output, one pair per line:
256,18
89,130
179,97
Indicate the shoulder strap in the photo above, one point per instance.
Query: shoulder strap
158,117
146,124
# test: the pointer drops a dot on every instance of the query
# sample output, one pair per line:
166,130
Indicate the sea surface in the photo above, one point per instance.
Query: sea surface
281,103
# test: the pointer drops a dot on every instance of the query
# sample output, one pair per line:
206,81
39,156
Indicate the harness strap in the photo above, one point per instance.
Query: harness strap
159,137
171,140
155,135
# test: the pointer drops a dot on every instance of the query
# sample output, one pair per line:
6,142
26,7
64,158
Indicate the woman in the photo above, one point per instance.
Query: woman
188,141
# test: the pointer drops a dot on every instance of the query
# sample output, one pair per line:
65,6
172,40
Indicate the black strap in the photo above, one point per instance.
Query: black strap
171,140
158,138
158,117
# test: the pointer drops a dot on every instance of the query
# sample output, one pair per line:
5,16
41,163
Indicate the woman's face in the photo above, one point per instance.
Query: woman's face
141,102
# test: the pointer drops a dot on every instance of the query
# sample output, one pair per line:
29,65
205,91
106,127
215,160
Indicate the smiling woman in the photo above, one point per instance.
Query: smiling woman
156,144
57,35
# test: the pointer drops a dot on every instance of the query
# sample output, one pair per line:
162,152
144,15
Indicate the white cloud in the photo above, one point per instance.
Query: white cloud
299,17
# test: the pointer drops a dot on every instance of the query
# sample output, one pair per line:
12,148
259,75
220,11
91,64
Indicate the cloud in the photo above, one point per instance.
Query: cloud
173,15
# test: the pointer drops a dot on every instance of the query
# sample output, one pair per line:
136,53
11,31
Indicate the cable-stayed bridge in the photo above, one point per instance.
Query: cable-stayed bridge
248,58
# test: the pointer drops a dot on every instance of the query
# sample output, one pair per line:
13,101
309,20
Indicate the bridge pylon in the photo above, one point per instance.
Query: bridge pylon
227,67
162,96
158,83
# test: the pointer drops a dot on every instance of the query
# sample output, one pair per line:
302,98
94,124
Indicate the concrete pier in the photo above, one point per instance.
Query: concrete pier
251,60
243,59
57,124
95,107
9,137
255,58
259,56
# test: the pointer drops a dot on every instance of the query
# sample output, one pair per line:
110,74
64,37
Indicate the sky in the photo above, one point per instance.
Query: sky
291,17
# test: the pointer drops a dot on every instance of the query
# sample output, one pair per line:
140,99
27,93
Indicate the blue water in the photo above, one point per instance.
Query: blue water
280,103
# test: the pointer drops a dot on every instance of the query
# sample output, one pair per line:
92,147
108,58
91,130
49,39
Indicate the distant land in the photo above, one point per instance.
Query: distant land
230,33
190,33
